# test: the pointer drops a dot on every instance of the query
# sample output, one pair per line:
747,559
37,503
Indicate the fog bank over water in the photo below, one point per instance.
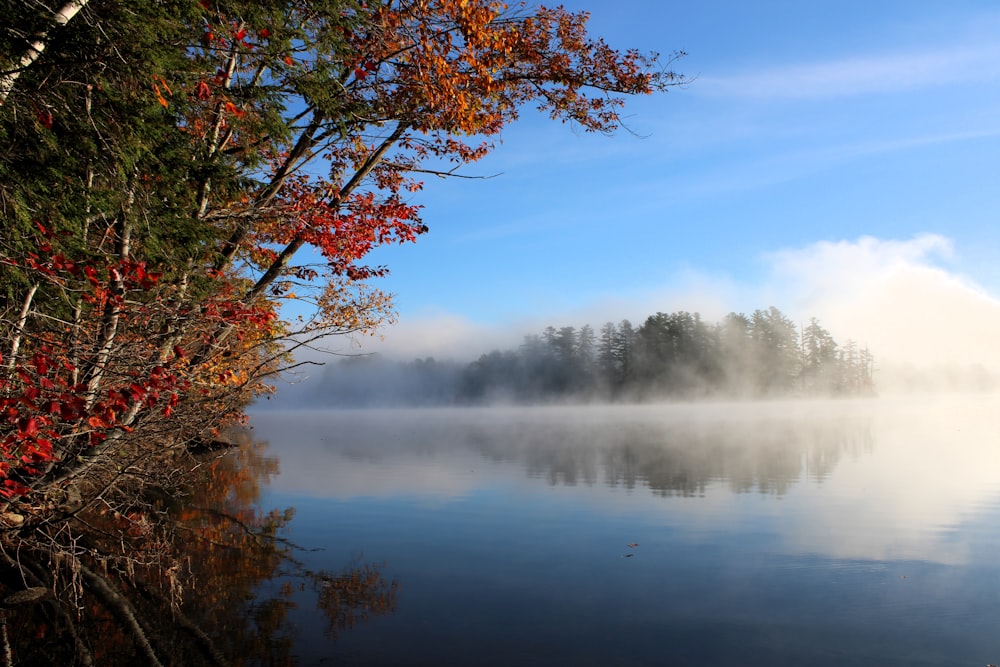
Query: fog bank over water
928,325
870,479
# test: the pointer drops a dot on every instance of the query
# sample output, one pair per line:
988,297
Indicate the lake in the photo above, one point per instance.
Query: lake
855,532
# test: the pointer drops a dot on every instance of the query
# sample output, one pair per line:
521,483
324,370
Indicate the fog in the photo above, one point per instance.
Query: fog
886,479
877,509
929,326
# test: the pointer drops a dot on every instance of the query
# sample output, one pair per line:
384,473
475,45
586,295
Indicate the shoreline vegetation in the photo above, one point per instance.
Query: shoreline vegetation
675,356
161,166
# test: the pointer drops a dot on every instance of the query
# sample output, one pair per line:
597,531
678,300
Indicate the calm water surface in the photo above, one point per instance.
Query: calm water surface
833,533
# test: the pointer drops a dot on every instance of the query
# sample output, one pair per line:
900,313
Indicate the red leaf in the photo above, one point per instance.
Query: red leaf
202,91
29,426
45,118
40,364
91,274
13,488
71,409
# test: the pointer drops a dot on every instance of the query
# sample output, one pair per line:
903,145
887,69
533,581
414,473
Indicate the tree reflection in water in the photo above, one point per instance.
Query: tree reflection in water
678,455
196,595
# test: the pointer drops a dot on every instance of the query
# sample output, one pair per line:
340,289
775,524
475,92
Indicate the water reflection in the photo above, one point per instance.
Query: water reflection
672,450
826,534
245,576
676,451
864,479
215,586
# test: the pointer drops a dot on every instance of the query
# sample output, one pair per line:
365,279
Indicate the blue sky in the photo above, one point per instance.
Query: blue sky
836,159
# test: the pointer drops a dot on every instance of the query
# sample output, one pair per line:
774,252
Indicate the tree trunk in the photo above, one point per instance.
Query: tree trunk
36,46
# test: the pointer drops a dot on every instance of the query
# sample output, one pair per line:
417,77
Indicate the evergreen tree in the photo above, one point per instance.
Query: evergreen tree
625,354
608,366
735,354
820,361
774,350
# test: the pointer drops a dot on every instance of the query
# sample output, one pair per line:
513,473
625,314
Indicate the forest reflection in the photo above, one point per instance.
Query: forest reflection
226,600
683,457
788,528
237,547
672,451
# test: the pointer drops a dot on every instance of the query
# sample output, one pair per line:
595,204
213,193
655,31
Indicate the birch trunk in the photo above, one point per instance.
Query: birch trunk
37,46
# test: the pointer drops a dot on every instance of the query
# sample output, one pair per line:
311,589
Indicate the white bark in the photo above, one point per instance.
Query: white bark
37,45
19,331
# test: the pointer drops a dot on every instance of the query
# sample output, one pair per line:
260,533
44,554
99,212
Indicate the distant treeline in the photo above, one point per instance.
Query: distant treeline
676,355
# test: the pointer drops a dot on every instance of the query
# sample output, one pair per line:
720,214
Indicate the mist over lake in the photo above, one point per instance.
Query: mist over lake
850,532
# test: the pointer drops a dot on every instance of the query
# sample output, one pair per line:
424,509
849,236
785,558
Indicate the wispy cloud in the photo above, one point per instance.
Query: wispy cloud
770,169
877,73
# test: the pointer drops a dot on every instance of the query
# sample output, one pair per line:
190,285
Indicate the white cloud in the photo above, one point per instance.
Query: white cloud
896,297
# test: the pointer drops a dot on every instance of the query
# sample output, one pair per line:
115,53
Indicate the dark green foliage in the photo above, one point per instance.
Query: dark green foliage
671,356
675,355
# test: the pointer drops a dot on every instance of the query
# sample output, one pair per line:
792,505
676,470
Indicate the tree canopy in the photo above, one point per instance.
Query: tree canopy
161,166
670,356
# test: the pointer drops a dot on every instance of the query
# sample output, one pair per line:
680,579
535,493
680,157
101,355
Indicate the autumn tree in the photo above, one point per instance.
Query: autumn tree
172,173
193,588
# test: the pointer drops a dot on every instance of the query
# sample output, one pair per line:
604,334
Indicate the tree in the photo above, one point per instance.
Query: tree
162,166
735,353
671,356
585,345
820,363
625,344
36,45
774,349
606,363
206,121
677,351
